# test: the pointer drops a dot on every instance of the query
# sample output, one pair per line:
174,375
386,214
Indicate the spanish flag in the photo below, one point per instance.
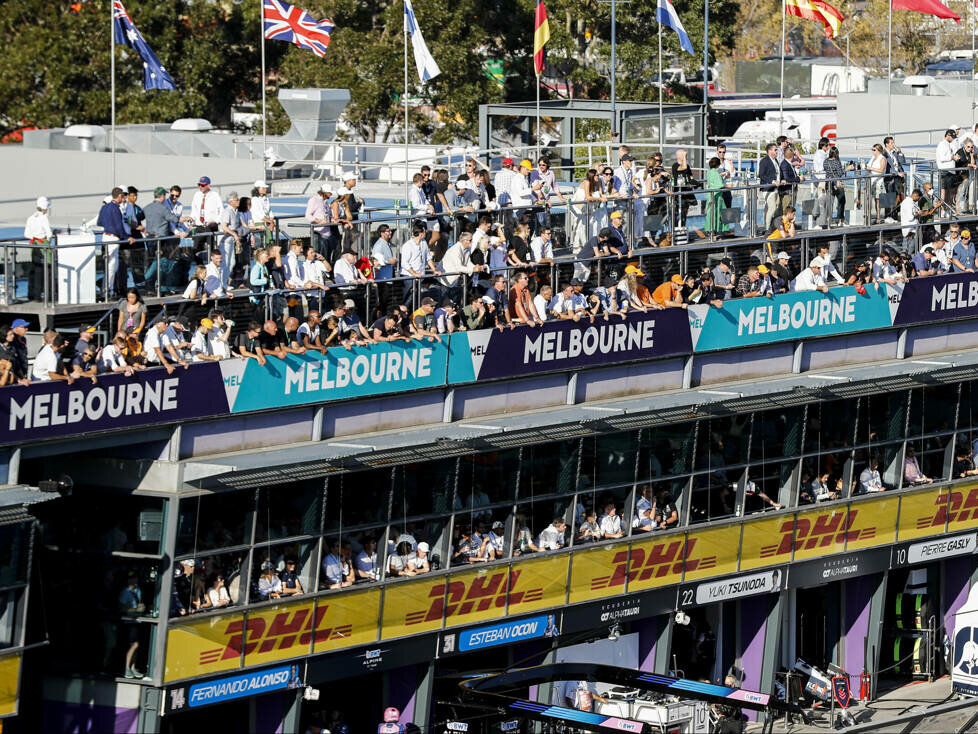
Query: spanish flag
817,10
541,34
928,7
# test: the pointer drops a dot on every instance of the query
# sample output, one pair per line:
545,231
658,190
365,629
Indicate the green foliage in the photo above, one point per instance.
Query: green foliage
55,69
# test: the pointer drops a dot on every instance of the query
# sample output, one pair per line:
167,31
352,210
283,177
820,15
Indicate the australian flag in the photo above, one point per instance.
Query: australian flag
284,22
155,76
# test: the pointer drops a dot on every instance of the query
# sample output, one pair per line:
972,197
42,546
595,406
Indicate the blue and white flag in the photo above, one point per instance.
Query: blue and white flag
427,68
155,75
666,14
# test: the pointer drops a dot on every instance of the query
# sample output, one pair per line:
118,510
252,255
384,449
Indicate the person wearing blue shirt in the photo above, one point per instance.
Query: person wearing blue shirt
963,257
923,262
258,277
114,228
382,254
173,204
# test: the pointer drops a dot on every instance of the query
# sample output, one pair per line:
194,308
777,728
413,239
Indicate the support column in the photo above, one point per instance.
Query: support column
874,631
655,643
856,647
960,575
760,631
411,689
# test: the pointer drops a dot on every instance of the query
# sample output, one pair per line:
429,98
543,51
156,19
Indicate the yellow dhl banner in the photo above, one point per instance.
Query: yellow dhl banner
215,644
9,684
280,632
473,596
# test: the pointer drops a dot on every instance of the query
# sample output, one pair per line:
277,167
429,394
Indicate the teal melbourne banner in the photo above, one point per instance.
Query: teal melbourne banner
746,321
337,375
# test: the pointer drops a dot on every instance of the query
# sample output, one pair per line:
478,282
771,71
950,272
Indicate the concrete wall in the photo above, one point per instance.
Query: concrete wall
77,181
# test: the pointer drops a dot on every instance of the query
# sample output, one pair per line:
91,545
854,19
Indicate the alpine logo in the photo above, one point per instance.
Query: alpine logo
286,630
827,529
458,598
668,558
952,507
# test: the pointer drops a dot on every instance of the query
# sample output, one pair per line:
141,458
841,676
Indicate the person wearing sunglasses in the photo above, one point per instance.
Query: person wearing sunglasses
544,176
963,256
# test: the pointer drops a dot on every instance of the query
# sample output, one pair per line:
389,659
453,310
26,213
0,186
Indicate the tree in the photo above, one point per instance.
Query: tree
55,69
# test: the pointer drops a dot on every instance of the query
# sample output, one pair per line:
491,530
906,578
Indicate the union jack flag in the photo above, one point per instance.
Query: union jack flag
284,22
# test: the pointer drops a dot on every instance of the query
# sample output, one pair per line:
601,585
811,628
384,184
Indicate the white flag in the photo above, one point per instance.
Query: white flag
427,68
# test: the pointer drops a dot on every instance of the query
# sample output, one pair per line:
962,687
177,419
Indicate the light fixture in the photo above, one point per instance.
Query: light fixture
682,618
614,632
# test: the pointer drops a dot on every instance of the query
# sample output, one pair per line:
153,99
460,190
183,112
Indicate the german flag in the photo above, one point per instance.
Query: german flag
541,34
817,10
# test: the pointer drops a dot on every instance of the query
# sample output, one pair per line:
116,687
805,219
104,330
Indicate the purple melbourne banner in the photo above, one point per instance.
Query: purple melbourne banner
55,409
559,345
935,298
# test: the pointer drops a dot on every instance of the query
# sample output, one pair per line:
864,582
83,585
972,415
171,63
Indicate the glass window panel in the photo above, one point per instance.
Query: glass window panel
208,582
8,617
436,532
609,459
487,478
830,425
665,451
212,521
550,468
358,499
534,517
776,433
421,489
825,470
107,522
288,510
932,410
766,484
713,496
924,457
283,571
968,414
613,521
14,541
881,417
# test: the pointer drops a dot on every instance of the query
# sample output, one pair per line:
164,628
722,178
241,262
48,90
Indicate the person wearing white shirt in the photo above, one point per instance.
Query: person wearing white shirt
219,334
828,268
909,209
201,349
315,270
542,246
413,258
869,478
946,162
628,185
216,277
456,261
420,206
261,207
37,229
541,302
47,363
810,279
344,272
552,537
818,160
112,358
502,183
206,207
382,255
295,267
520,190
941,254
610,522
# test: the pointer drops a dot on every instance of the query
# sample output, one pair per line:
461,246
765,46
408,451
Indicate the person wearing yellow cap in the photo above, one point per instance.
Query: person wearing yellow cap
522,193
618,243
670,293
200,346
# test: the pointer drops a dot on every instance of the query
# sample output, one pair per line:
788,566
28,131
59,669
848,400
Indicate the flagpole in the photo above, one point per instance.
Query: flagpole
264,113
781,96
538,115
614,120
889,66
706,80
407,175
112,93
662,122
972,66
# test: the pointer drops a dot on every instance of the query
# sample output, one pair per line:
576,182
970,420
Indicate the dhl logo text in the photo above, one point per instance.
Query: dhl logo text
662,559
458,598
286,630
952,507
806,534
